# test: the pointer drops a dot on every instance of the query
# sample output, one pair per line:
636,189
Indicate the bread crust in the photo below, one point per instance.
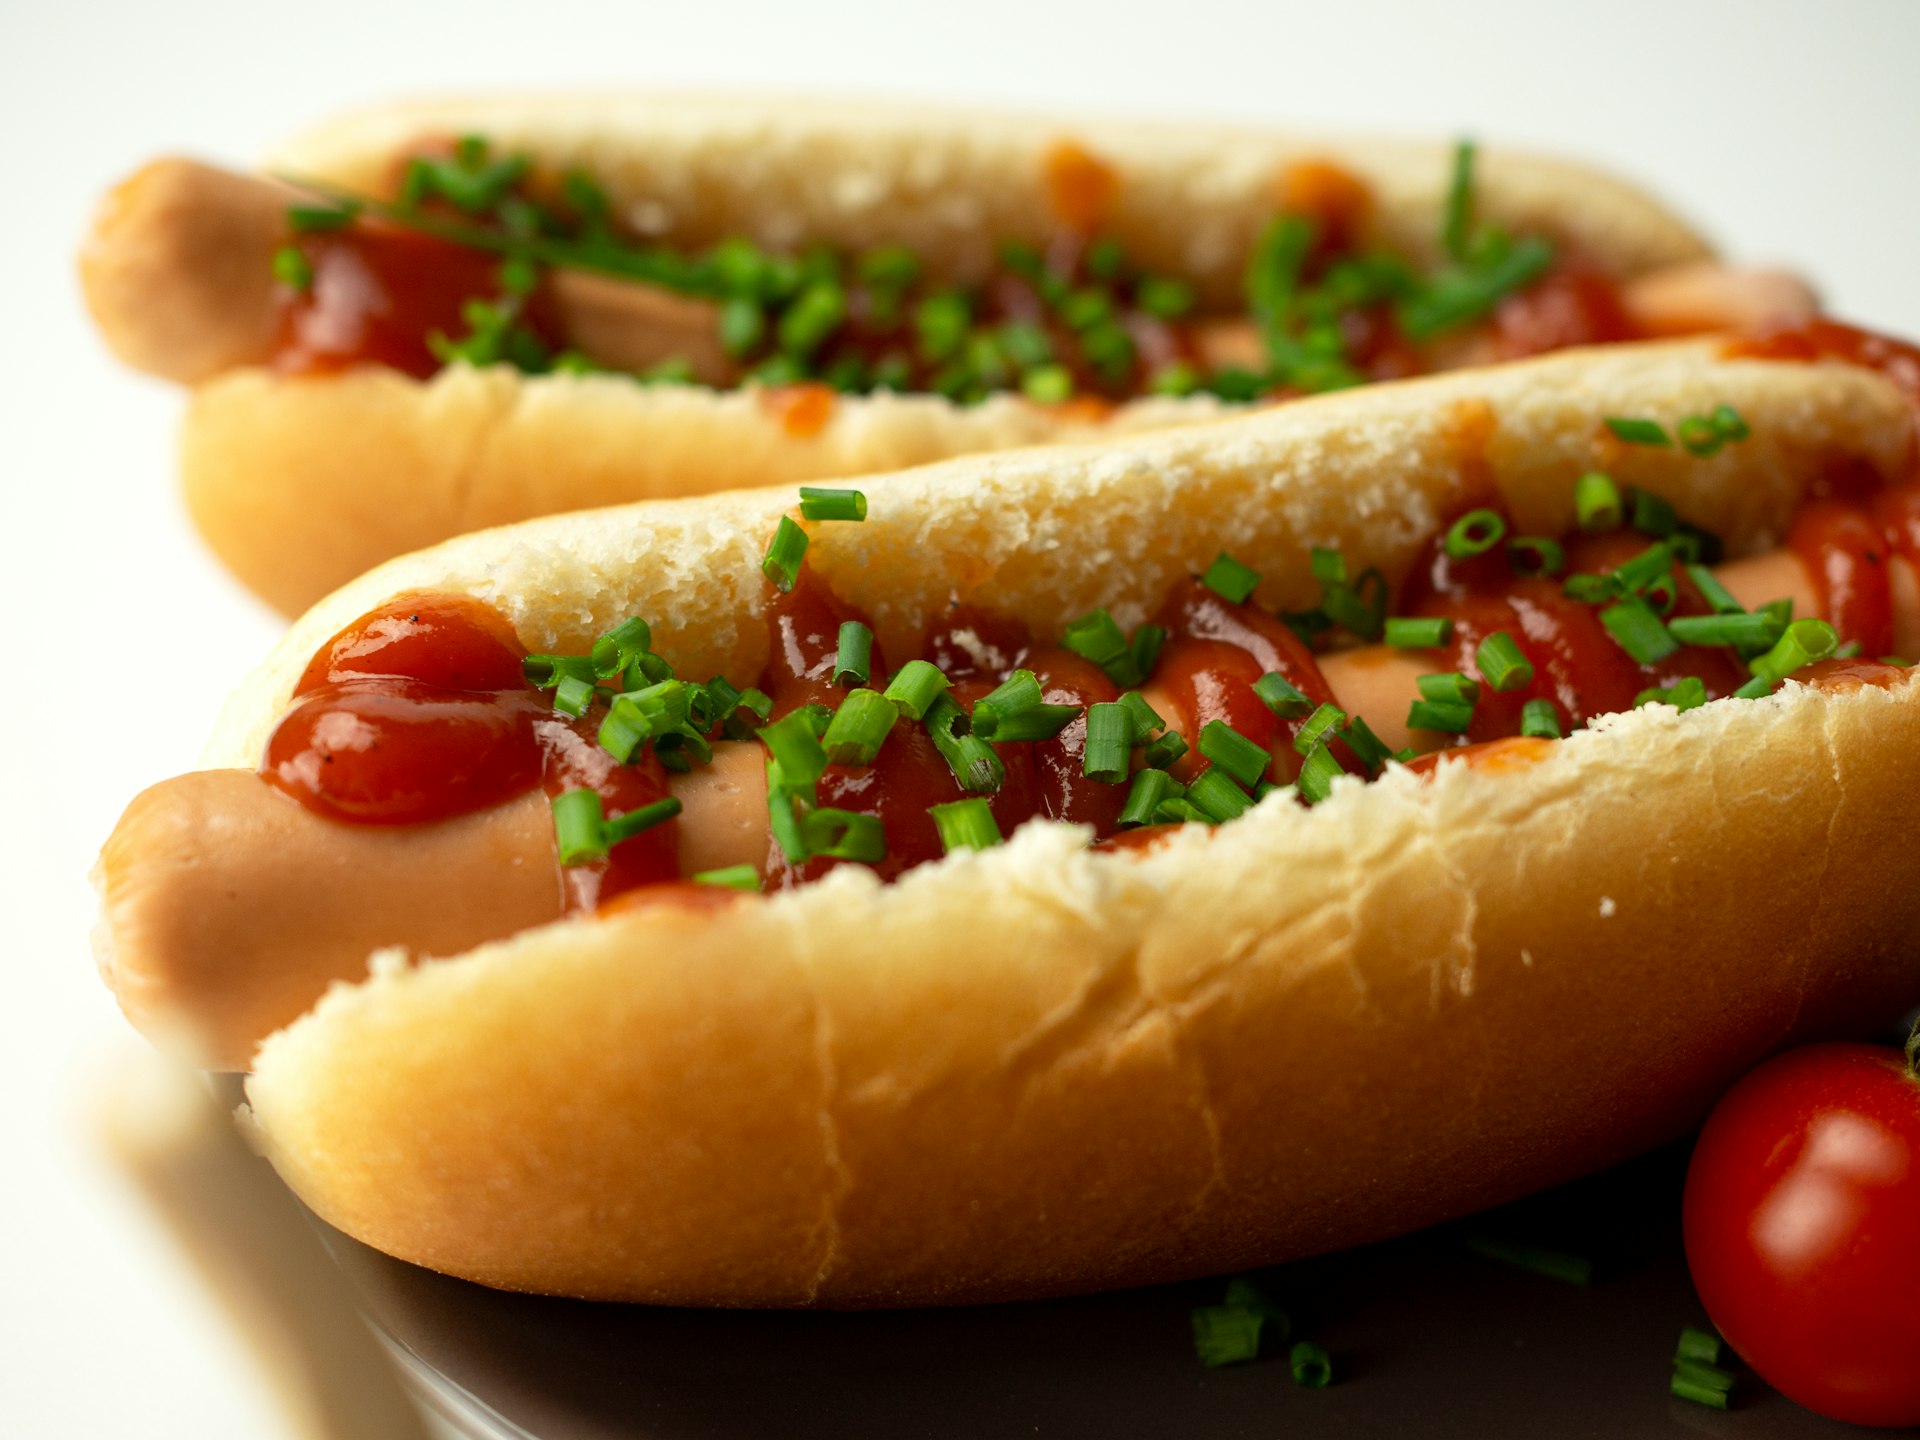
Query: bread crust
1038,1069
365,466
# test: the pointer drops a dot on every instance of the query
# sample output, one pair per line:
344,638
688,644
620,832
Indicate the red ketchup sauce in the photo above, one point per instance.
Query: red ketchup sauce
418,712
1898,360
1564,308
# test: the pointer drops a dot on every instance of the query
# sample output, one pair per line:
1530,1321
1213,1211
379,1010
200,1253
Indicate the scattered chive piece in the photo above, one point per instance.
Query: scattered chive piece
1458,217
1311,1365
1240,757
1445,716
1047,384
845,835
1150,789
915,686
1697,1344
965,825
1281,696
1756,628
1164,751
625,827
853,656
1325,720
1592,589
1687,1390
1407,633
975,767
635,716
1539,720
1347,605
1701,1383
1244,1291
1638,432
1229,579
1553,1264
621,646
1688,693
1143,651
573,695
782,565
1225,1334
292,268
1646,567
1109,738
1475,533
1728,422
1597,503
1451,688
1802,643
580,826
1036,722
1536,555
1713,592
1662,594
1638,630
1019,691
1653,515
1178,811
309,219
544,672
1215,796
1502,664
1369,747
795,748
730,877
817,503
1317,774
1145,719
858,728
1699,435
1329,567
1095,636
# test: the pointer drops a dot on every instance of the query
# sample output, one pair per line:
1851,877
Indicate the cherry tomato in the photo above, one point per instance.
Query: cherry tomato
1802,1222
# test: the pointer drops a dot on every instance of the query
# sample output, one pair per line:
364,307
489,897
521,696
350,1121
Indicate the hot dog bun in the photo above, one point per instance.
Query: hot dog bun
1039,1069
368,464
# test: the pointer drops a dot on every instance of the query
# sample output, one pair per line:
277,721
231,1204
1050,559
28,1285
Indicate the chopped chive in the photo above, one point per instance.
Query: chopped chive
1095,636
1464,293
1329,567
1312,1367
1502,663
1688,693
543,672
1179,811
1109,738
1229,579
742,325
784,816
1539,720
1281,696
1164,298
1445,716
1019,691
1324,721
1597,502
1215,796
976,769
1755,629
1143,653
1143,717
1369,747
1177,379
817,503
1458,216
1047,384
853,655
1713,592
915,686
1225,1334
1644,568
1552,1264
625,827
292,268
1317,774
1705,1374
1150,789
1347,605
1699,435
1036,722
1164,751
858,728
1638,432
580,826
1689,1389
729,877
1592,589
814,315
845,835
1802,643
621,646
782,564
635,716
795,748
311,219
1240,757
1536,555
965,825
1697,1344
1475,533
1638,629
1451,688
1653,515
1727,421
574,695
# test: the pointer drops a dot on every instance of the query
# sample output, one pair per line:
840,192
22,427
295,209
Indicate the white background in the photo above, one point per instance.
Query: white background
1788,131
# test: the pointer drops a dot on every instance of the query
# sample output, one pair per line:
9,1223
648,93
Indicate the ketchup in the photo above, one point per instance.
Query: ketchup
1898,360
1564,308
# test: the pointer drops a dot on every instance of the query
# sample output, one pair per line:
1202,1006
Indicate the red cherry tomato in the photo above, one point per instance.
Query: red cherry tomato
1802,1220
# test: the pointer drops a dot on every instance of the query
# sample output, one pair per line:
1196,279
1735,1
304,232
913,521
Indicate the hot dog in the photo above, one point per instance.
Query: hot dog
1045,1067
412,337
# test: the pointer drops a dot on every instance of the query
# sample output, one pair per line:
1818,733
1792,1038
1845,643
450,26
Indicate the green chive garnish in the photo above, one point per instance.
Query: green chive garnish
965,825
1047,384
312,219
915,686
292,268
852,656
1475,533
625,827
858,728
1229,579
1369,747
1144,718
1802,643
1597,502
1652,515
574,695
1458,217
1539,720
1727,421
1164,751
1638,629
1699,435
1502,664
811,318
1536,555
1240,757
1215,796
1164,298
621,646
975,767
1225,1334
1446,716
1281,696
1311,1365
1019,691
1406,633
579,826
729,877
543,672
1638,432
1748,629
1317,774
1095,636
1699,1345
1552,1264
1150,789
817,503
1109,739
796,749
742,325
845,835
1452,687
1324,721
782,565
